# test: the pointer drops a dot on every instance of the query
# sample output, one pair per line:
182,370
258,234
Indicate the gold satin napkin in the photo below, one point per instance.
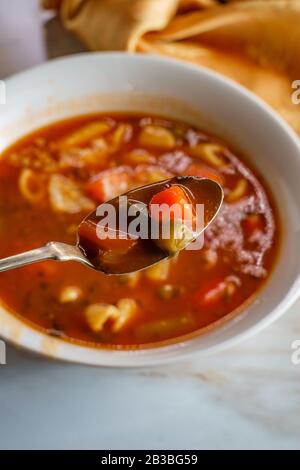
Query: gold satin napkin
255,42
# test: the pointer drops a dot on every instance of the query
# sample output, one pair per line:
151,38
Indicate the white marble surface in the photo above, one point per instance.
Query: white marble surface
247,397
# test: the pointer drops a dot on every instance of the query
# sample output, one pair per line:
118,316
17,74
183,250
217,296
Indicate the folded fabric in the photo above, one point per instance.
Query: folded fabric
255,42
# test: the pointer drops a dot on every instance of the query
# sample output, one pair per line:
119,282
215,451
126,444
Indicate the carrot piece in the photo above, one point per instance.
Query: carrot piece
108,184
204,172
174,195
88,234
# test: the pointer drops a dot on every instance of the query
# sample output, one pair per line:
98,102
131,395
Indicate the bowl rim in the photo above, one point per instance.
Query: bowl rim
174,352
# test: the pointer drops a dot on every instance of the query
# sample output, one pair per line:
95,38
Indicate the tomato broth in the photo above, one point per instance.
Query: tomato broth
51,179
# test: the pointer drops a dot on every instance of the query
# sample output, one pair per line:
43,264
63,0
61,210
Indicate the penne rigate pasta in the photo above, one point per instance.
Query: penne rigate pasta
157,136
122,134
84,134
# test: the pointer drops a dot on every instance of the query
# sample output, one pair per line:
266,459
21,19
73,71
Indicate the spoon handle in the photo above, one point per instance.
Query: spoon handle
53,250
29,257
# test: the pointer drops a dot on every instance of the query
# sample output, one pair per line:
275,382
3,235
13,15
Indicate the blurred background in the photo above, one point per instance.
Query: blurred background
30,35
245,398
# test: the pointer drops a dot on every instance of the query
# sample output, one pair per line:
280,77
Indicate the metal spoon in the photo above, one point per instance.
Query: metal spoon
202,190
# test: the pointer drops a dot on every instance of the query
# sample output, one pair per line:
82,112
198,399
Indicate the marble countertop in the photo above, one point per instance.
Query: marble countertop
245,398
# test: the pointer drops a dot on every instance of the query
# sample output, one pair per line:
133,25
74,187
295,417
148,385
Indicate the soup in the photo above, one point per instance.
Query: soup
51,179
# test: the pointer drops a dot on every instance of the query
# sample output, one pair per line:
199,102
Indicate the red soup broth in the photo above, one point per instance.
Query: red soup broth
51,179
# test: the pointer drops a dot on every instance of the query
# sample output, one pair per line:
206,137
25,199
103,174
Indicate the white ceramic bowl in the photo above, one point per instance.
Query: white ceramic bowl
115,82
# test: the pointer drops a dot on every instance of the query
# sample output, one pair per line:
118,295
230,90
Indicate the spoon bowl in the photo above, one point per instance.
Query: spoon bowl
111,258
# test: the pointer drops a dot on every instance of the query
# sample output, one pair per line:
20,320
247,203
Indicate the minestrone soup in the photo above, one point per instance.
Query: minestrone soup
51,179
